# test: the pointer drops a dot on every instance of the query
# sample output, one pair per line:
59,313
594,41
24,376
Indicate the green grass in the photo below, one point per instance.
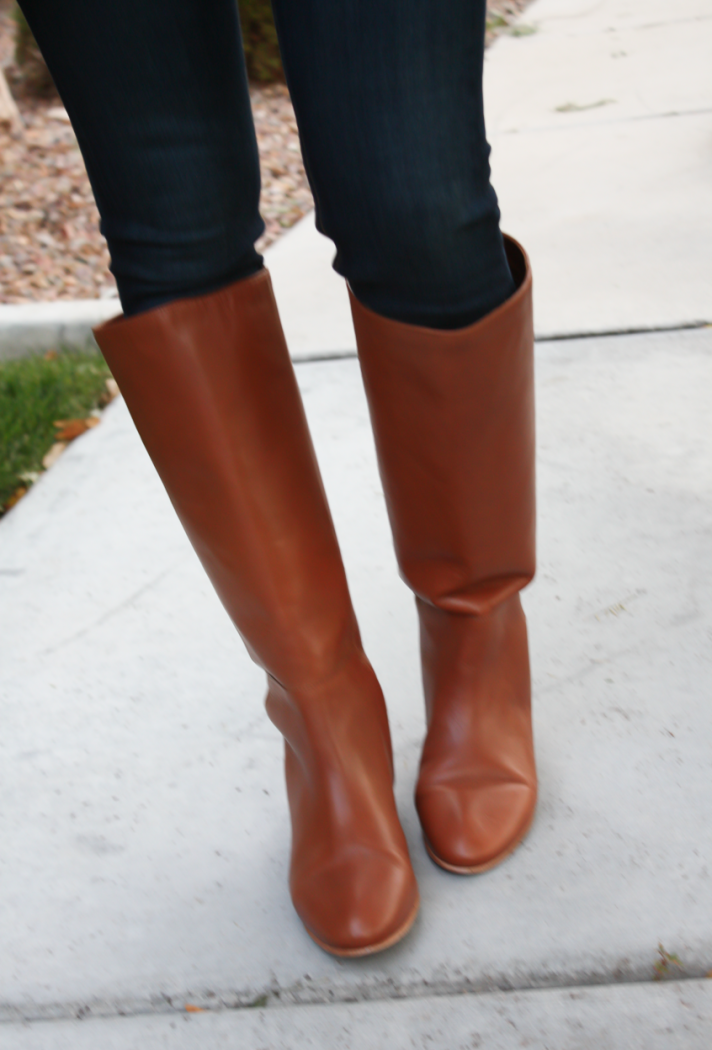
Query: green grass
34,392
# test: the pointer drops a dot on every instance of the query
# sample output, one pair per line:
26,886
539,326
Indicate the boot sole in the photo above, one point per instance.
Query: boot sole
479,868
370,949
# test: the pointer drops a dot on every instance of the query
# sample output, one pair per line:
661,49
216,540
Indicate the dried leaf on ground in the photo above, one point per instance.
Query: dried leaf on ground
69,429
53,455
111,391
16,497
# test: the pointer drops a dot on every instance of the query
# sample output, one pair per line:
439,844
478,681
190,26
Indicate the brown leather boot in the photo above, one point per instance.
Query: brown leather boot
212,391
453,419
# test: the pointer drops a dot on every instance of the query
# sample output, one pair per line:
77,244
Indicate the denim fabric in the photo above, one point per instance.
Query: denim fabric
157,93
388,97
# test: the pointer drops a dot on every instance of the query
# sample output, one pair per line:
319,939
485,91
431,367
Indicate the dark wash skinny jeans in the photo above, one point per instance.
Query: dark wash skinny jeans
388,98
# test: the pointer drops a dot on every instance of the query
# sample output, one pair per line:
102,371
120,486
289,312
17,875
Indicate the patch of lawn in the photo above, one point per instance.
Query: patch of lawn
34,393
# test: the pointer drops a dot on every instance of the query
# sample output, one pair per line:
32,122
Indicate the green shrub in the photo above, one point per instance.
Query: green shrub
259,39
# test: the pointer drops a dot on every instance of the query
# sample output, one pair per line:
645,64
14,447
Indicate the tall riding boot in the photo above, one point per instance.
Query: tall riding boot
453,418
212,391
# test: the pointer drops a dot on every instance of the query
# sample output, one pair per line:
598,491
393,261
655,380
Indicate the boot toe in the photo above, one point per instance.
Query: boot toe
359,905
471,829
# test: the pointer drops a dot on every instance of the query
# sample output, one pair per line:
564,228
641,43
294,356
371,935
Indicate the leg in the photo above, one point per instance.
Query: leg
157,94
241,472
399,163
453,419
245,483
388,95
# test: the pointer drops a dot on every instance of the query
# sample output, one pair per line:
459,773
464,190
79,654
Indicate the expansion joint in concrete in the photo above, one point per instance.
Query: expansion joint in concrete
275,998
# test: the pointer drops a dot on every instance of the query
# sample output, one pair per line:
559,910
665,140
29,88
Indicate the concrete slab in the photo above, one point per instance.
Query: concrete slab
603,61
627,1017
600,123
313,301
142,784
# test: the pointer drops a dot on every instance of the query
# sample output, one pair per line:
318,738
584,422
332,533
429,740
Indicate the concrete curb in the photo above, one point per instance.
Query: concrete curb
32,328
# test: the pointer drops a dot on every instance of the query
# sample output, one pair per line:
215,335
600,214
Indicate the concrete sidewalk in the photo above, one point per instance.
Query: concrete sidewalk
143,792
144,818
600,124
